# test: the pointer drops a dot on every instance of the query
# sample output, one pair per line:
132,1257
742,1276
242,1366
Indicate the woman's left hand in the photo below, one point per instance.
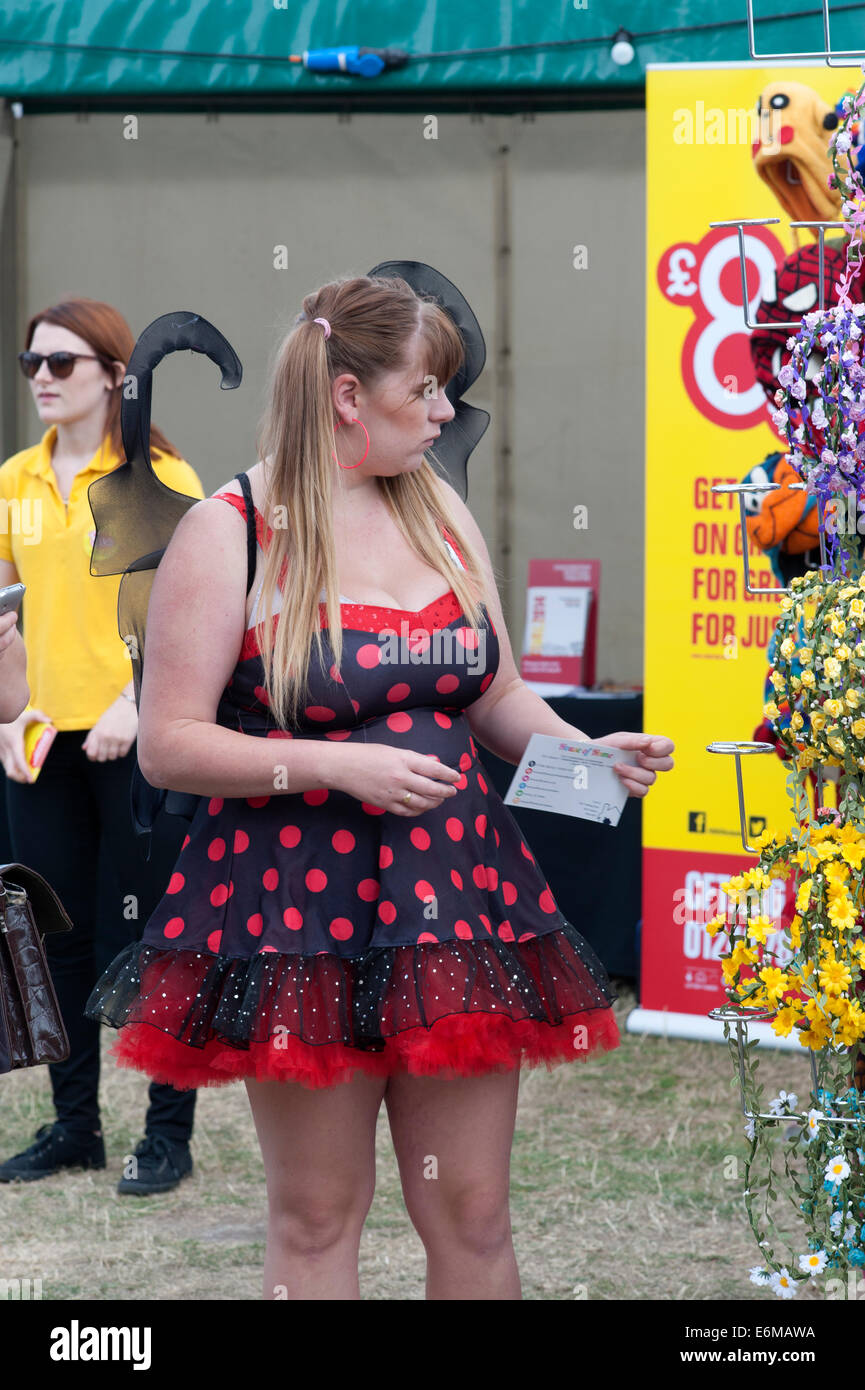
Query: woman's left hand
114,732
653,756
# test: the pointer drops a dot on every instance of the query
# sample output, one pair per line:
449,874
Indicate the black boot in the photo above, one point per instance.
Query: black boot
52,1150
156,1166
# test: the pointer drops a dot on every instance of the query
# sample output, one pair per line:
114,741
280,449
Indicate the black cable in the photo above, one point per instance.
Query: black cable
195,55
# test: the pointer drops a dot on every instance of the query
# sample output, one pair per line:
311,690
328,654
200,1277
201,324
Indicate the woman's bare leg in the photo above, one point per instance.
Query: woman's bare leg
318,1148
453,1144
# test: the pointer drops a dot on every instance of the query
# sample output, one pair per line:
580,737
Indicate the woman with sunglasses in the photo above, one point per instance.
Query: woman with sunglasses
79,672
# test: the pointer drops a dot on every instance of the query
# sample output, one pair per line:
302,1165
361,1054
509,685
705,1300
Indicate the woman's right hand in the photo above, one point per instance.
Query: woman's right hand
381,775
12,745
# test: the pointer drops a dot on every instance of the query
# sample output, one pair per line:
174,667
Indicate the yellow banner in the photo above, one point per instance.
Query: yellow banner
707,422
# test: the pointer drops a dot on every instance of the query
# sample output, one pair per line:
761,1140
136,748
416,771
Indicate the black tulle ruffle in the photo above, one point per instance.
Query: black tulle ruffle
197,998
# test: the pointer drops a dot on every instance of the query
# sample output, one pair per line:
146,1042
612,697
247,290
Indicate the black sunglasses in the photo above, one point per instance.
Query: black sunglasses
60,364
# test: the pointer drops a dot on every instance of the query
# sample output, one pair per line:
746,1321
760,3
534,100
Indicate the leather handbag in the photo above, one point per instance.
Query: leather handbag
31,1026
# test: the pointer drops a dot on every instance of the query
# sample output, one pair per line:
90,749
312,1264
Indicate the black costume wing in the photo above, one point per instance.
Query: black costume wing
135,514
460,435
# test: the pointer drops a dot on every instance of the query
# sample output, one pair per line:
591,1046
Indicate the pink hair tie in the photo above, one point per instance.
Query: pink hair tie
325,325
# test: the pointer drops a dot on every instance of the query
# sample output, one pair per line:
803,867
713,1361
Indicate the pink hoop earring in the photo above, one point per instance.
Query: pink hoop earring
366,450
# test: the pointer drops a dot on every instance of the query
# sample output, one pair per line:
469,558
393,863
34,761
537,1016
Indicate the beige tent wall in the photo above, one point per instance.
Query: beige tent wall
187,216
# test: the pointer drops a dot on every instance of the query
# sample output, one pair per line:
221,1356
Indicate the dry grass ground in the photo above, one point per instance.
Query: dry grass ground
618,1190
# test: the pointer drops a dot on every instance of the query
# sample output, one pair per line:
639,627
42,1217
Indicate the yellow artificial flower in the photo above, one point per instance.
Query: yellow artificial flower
834,977
715,925
742,955
833,707
756,877
758,927
851,1030
852,698
826,847
831,668
734,887
854,854
842,913
752,993
857,608
787,648
729,970
837,746
808,679
805,656
857,728
837,625
766,838
843,652
796,720
818,721
806,858
836,873
775,981
785,1020
770,709
803,895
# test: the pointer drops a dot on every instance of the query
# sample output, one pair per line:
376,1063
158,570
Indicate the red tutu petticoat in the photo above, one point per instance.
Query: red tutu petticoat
461,1045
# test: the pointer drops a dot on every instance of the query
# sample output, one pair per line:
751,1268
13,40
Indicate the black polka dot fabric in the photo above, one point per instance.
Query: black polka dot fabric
337,922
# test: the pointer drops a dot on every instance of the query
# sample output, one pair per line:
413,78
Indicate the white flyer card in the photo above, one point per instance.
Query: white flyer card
572,778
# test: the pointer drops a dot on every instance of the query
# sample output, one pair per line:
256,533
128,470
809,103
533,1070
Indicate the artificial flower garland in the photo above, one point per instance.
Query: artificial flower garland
807,978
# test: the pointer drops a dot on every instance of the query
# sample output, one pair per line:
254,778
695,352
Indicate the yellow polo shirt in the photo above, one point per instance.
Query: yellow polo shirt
77,663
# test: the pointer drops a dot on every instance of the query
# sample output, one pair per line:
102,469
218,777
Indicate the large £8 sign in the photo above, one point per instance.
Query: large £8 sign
705,278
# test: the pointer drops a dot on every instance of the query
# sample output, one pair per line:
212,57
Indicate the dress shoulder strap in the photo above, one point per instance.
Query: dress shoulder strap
451,544
251,539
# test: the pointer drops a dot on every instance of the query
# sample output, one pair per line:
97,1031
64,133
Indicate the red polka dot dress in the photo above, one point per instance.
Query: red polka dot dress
311,936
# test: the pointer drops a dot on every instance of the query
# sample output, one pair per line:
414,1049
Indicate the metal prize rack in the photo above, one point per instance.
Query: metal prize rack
727,1014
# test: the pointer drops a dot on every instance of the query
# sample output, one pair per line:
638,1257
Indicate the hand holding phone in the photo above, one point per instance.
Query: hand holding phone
10,598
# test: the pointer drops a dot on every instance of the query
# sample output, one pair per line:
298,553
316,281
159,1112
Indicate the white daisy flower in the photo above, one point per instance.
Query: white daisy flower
782,1284
783,1104
758,1275
837,1169
814,1262
812,1126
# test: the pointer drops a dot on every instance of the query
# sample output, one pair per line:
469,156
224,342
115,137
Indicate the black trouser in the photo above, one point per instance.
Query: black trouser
56,826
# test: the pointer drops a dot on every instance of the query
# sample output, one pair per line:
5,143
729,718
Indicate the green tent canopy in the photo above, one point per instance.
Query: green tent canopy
208,53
